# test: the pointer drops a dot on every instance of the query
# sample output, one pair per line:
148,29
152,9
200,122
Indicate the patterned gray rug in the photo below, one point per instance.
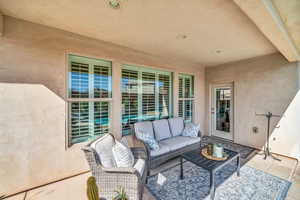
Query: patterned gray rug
251,185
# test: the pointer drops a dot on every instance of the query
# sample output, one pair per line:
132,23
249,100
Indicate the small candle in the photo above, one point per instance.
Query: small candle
210,149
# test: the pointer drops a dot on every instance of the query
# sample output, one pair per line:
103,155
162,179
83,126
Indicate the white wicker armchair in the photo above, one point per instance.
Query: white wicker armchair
109,179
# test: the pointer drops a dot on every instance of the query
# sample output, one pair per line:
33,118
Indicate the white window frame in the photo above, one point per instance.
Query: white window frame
90,61
157,72
183,99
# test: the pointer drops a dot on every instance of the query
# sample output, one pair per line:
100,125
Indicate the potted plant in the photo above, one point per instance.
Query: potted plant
121,194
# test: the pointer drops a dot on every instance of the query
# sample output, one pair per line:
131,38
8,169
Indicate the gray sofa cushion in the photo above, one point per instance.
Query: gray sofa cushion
178,142
176,125
162,150
161,129
103,147
143,127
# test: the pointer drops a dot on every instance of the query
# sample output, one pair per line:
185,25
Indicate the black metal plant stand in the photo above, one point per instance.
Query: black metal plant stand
267,152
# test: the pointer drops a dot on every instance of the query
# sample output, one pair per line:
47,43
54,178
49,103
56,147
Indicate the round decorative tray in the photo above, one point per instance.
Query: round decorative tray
205,154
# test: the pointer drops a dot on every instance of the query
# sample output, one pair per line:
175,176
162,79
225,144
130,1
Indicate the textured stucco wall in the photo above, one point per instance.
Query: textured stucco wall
263,84
32,100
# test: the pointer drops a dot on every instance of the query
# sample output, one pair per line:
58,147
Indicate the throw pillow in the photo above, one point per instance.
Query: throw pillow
103,147
148,139
122,155
191,130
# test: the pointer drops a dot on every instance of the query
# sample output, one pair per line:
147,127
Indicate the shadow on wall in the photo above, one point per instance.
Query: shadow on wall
32,138
285,136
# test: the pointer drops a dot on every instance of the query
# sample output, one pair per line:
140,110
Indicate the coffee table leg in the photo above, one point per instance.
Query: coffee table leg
238,165
212,186
181,168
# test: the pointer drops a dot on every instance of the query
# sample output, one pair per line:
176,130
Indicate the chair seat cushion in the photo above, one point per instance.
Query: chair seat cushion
140,166
122,155
176,125
103,147
178,142
161,129
162,150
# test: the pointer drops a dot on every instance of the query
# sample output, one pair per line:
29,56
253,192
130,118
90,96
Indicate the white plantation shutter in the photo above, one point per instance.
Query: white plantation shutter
187,87
146,95
186,97
79,120
79,80
180,87
188,108
89,98
129,99
101,118
102,82
164,95
180,108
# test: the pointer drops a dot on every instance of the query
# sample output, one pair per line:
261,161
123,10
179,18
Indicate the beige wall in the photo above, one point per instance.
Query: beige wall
32,100
262,84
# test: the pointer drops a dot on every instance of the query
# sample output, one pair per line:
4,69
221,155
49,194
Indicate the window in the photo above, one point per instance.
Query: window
146,95
186,97
89,97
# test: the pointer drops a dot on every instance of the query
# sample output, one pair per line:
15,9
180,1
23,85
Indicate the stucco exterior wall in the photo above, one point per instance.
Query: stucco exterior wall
33,135
263,84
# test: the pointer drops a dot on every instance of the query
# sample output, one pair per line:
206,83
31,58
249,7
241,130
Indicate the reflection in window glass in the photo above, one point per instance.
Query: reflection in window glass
223,97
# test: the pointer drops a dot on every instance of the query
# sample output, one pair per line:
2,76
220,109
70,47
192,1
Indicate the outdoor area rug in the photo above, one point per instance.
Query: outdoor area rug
251,185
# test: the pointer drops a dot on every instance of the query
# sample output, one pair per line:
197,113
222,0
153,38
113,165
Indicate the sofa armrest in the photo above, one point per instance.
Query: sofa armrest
146,148
139,152
200,134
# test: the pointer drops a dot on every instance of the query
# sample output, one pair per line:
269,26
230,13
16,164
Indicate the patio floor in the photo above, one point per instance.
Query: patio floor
75,188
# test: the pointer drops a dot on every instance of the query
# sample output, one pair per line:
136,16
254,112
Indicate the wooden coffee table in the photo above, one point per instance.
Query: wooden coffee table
212,166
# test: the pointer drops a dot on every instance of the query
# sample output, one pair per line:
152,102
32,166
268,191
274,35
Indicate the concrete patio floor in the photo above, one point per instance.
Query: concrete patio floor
75,188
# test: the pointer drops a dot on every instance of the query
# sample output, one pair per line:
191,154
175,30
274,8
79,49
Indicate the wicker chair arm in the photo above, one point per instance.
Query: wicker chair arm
126,170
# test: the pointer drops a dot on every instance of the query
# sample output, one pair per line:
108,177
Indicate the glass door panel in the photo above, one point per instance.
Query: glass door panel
222,106
223,97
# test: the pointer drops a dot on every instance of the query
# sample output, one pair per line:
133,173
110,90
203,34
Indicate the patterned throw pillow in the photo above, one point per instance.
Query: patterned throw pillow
191,130
122,155
148,139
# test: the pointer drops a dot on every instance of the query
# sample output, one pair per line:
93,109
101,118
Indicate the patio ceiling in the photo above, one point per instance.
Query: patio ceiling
290,13
197,31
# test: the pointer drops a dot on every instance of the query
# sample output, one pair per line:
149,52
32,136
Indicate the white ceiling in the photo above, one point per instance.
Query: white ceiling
155,26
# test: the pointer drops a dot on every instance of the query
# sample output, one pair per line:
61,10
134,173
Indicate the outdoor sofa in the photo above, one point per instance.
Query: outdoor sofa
168,134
